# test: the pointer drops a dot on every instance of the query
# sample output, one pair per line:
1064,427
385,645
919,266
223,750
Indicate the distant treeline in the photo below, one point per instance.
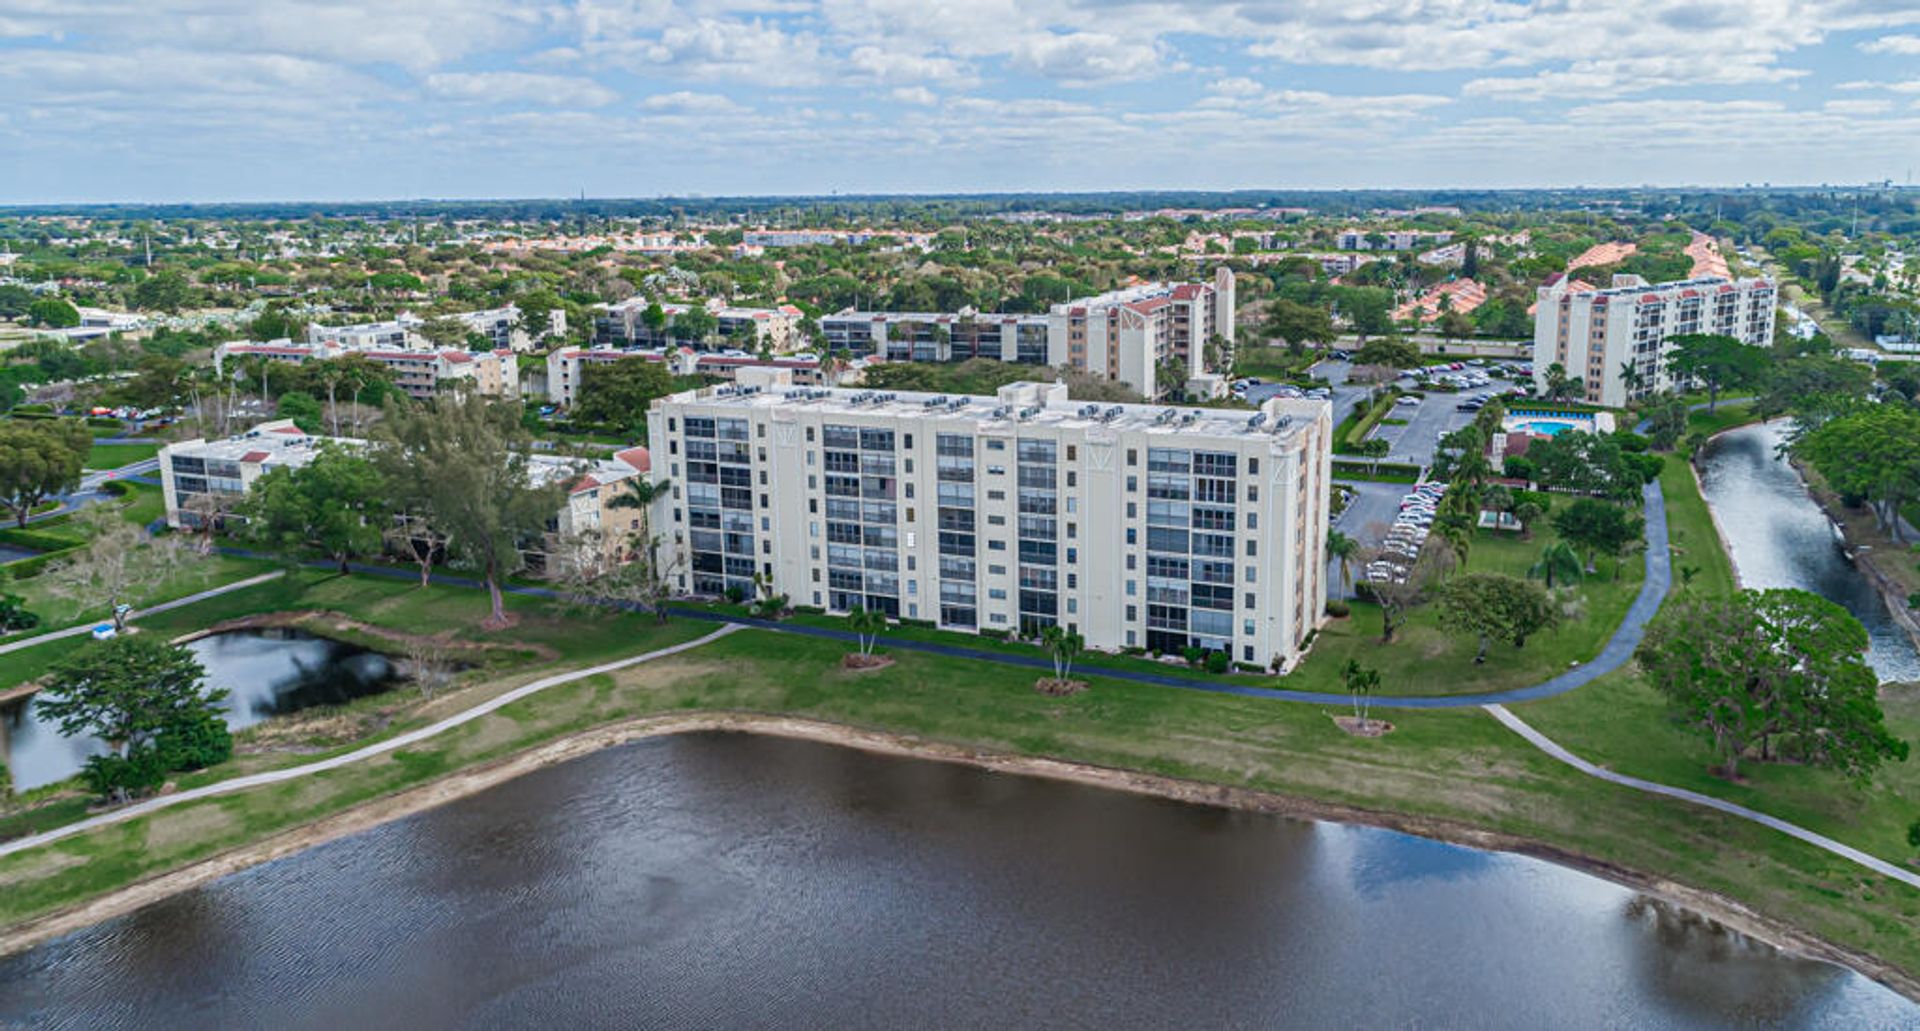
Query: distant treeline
802,210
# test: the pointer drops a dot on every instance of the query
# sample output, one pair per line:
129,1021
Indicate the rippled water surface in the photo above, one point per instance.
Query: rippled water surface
1780,538
727,881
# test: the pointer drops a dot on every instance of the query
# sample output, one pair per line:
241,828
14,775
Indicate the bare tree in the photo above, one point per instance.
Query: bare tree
413,535
428,664
1399,594
119,557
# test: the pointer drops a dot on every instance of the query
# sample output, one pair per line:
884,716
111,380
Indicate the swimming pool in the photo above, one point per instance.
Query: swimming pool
1544,427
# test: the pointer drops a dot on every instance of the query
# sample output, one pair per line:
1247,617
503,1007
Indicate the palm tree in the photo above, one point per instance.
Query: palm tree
1630,377
1456,529
1344,549
1065,645
1559,559
866,626
1526,511
1361,684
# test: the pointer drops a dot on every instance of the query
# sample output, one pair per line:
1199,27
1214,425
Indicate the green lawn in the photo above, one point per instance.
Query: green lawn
113,456
1424,659
1271,363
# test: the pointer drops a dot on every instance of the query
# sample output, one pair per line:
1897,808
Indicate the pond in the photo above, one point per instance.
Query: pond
735,881
266,673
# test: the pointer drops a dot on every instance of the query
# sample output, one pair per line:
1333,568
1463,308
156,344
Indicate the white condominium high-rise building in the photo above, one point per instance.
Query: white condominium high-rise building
1597,335
1136,525
1130,335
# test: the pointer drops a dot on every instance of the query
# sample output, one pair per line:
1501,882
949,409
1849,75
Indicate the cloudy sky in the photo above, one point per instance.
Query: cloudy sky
160,100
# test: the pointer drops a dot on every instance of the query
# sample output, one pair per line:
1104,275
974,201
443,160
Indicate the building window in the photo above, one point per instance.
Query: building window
1253,548
1133,458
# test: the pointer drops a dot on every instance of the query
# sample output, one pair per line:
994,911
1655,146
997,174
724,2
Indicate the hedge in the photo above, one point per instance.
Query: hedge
1382,472
40,540
28,568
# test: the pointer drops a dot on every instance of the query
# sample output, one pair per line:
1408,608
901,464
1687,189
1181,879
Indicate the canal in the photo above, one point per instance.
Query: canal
1779,537
734,881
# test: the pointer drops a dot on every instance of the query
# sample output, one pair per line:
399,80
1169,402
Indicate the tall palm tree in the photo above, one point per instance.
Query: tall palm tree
1630,377
1344,549
1559,559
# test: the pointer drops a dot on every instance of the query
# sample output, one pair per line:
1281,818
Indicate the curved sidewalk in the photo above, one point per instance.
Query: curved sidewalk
87,627
1820,841
1617,652
394,743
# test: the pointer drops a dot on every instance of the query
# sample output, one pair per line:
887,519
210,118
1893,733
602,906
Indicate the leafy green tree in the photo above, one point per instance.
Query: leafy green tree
696,324
1299,324
14,614
167,290
338,503
619,393
465,463
1872,455
1496,608
39,460
1667,422
14,300
1593,526
1813,389
1396,354
130,692
1771,672
53,313
1368,309
1721,362
303,408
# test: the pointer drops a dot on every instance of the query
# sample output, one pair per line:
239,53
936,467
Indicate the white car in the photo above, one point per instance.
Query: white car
1407,399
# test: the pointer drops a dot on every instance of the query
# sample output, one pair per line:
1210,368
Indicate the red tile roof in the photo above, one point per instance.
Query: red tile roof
252,457
638,457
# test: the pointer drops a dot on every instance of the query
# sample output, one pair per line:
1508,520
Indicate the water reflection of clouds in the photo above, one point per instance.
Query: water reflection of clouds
1378,859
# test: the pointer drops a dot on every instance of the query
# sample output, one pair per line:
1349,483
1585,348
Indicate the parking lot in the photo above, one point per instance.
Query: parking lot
1430,420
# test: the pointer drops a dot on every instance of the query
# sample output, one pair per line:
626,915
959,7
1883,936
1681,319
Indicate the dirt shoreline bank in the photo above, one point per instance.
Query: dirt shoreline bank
455,786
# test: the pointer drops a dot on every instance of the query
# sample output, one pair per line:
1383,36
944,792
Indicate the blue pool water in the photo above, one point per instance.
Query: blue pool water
1549,428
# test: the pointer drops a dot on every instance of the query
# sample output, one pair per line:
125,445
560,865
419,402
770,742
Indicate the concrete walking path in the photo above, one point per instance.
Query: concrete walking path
253,780
165,606
1820,841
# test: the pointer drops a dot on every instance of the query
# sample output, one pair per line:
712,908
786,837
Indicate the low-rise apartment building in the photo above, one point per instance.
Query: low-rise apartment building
1594,335
501,326
1136,525
623,324
567,366
419,373
201,479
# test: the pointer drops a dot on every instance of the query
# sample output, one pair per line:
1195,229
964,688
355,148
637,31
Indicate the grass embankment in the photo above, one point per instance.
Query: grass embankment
1457,768
115,456
1621,723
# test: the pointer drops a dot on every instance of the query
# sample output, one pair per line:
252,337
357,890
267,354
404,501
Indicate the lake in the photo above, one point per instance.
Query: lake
730,881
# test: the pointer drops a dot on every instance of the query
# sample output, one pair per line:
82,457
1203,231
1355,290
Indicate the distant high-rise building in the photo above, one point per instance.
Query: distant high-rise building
1593,334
